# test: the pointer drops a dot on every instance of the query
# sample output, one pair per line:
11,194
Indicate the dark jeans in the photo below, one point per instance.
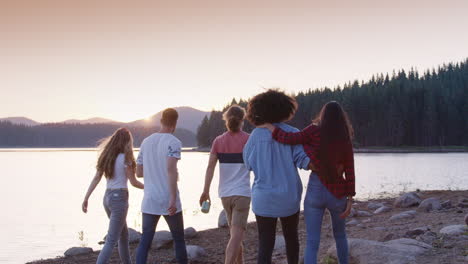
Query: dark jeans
116,206
266,236
176,225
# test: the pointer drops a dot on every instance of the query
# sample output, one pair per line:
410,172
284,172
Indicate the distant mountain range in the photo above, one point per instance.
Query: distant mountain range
189,118
21,121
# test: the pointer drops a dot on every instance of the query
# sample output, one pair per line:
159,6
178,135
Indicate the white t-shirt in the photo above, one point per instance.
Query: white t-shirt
119,179
154,152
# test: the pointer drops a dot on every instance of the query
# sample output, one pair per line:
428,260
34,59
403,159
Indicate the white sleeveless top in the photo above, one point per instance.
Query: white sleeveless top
119,180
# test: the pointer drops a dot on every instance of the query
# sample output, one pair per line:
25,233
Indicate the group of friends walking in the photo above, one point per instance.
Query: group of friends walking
273,152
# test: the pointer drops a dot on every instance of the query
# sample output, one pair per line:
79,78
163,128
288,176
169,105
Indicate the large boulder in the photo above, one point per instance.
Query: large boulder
454,230
430,204
74,251
222,219
398,251
133,236
195,252
382,210
190,232
403,216
162,239
407,200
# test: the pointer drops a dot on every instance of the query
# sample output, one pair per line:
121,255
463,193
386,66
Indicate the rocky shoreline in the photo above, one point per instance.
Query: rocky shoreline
417,227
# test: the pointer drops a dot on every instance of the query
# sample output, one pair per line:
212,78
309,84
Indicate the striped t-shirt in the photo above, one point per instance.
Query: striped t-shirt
234,177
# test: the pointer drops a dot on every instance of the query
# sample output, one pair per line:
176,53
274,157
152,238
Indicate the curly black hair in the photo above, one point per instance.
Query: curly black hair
272,106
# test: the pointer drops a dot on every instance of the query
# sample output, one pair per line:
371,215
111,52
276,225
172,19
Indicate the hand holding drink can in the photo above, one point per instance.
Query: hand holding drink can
205,208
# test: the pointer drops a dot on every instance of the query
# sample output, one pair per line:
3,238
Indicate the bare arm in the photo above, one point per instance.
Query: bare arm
209,177
172,173
130,173
94,182
139,171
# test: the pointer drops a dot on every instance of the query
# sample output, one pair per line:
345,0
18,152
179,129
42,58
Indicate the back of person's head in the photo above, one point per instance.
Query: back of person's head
121,141
169,117
335,128
234,118
272,106
334,122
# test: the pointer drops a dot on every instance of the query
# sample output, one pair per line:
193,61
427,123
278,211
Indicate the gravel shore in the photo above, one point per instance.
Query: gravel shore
444,248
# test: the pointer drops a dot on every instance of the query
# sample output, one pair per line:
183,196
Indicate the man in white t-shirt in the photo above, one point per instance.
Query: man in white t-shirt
157,163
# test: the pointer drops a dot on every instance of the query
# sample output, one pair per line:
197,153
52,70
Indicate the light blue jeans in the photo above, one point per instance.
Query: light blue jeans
317,199
116,206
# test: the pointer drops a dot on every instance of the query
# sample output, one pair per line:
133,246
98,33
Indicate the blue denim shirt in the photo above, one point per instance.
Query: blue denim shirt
277,187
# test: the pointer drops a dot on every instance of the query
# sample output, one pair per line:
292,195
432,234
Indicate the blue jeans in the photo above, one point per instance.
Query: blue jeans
176,225
116,206
317,199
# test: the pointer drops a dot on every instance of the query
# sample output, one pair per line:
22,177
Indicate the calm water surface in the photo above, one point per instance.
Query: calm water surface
43,190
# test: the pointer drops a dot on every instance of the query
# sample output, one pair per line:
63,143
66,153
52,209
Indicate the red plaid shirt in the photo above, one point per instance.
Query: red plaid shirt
342,151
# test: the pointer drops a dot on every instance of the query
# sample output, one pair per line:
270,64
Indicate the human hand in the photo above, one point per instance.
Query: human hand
347,211
172,207
204,196
84,206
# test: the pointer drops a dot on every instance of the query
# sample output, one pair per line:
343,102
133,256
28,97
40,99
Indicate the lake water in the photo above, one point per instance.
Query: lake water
43,190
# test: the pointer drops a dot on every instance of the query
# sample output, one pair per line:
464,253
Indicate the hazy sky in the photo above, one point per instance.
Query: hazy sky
126,60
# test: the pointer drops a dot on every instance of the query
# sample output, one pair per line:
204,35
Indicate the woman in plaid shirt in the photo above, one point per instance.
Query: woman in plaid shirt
327,142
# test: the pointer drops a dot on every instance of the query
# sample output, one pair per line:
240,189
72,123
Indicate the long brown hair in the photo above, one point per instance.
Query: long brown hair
234,118
335,127
120,142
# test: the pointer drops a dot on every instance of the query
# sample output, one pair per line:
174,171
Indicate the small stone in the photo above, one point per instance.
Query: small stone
353,222
388,237
416,232
428,237
280,244
403,215
382,210
363,214
446,204
374,205
454,230
352,213
463,205
74,251
195,252
222,219
407,200
430,204
190,232
380,228
466,219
